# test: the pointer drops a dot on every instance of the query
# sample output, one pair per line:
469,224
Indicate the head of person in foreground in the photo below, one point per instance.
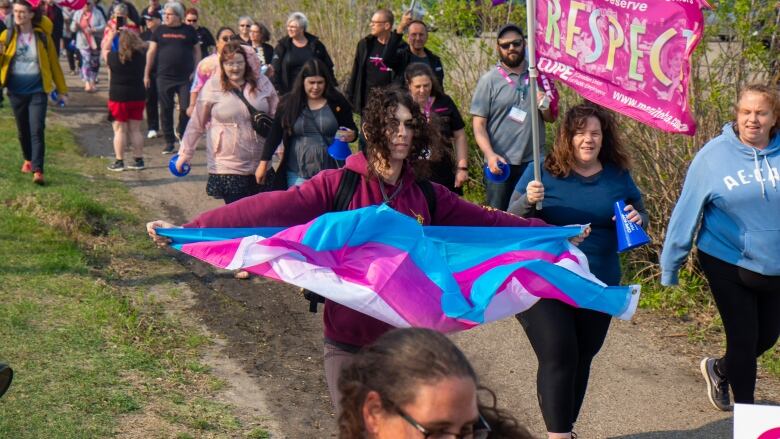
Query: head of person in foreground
415,383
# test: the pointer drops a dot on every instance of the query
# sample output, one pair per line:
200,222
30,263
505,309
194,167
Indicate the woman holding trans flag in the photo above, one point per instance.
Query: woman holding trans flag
731,196
389,173
586,172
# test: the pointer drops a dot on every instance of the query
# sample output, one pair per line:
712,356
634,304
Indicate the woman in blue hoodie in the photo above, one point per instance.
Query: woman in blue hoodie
732,185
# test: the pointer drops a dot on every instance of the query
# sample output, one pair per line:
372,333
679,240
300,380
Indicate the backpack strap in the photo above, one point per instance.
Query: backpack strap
344,193
430,196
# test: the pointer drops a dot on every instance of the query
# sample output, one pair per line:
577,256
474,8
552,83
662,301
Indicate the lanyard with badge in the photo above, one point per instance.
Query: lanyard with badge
517,114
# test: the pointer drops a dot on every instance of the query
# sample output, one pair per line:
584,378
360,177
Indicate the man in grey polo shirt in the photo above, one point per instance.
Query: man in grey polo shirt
501,106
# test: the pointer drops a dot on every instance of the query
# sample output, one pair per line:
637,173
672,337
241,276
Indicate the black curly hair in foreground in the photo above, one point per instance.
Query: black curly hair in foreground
380,125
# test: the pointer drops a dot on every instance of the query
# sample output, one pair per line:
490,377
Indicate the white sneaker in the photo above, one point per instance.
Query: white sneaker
151,134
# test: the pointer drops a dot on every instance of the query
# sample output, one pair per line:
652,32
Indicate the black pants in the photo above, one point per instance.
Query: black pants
30,114
166,90
152,110
565,340
73,55
749,305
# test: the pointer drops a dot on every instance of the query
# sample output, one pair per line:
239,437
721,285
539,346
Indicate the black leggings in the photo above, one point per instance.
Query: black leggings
749,305
565,340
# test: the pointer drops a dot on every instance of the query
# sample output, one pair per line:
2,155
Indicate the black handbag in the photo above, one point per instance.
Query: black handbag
261,121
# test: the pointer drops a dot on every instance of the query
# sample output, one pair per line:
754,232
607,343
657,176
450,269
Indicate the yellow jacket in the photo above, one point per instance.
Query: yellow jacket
47,57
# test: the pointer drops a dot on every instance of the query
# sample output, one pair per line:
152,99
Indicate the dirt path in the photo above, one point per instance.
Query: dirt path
645,382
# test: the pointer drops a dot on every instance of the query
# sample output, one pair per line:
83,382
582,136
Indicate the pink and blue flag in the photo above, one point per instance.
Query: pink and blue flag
385,264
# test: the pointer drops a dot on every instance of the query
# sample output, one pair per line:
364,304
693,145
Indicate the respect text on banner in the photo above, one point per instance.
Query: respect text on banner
628,55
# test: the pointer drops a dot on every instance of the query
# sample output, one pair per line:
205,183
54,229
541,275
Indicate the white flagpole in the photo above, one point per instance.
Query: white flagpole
532,75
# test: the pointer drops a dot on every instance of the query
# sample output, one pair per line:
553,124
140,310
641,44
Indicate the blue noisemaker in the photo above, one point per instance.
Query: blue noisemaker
629,234
174,171
498,178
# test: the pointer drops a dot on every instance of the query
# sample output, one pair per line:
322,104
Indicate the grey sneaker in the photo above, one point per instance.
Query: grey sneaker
138,164
717,386
168,150
117,166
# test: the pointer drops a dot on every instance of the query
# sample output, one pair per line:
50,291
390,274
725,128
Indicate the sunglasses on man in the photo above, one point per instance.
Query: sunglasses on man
508,44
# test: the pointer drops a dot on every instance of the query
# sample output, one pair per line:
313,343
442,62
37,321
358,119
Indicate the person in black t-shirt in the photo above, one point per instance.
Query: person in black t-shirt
126,98
179,53
152,20
207,42
443,114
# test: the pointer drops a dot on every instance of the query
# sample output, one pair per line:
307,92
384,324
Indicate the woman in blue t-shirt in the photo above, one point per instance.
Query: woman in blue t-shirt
582,177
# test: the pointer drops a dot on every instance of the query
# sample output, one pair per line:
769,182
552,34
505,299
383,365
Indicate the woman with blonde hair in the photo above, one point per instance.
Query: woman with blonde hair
127,98
731,203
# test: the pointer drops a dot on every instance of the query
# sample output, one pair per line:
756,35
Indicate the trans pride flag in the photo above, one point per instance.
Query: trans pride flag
385,264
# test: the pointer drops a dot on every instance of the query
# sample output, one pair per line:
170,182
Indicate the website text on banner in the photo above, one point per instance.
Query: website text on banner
628,55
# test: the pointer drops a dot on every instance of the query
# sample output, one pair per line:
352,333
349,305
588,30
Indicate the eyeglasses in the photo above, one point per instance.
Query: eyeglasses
191,21
234,65
480,429
515,43
244,25
225,39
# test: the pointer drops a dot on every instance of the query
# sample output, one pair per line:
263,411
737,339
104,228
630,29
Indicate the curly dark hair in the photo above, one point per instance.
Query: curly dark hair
561,159
380,124
395,365
231,49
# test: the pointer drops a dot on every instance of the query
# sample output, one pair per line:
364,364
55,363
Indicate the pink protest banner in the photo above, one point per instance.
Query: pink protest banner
628,55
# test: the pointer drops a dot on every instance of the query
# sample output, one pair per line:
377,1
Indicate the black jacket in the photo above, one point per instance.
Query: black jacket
340,108
402,59
356,89
282,80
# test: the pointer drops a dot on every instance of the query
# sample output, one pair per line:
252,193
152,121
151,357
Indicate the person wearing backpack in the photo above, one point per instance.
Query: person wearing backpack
30,71
392,171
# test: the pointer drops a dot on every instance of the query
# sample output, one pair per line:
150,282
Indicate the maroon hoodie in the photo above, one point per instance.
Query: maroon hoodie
301,204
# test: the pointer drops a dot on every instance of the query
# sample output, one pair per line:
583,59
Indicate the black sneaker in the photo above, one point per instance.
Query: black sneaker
717,386
168,150
137,165
117,166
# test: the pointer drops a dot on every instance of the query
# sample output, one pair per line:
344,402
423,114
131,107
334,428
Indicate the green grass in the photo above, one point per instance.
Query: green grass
87,349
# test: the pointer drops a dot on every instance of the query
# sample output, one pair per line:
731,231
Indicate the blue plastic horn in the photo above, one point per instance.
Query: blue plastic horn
629,234
498,178
339,149
174,171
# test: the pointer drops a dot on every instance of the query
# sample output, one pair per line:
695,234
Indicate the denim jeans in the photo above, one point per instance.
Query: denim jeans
293,179
166,90
498,194
30,114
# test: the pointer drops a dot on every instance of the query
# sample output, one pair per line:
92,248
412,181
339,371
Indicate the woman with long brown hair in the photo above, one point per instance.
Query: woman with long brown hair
127,98
392,172
586,172
233,147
